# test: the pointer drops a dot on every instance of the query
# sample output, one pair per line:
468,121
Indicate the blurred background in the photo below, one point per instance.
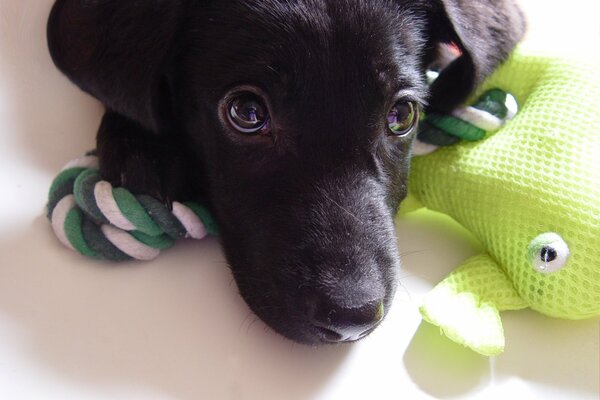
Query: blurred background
571,26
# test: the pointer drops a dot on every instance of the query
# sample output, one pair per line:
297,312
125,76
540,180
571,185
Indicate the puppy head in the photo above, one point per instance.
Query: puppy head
301,116
305,203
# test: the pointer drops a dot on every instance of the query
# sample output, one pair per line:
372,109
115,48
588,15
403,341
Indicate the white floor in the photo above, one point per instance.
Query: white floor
176,329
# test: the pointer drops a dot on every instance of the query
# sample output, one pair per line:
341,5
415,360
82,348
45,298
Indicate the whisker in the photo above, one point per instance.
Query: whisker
343,208
254,320
250,314
410,253
405,290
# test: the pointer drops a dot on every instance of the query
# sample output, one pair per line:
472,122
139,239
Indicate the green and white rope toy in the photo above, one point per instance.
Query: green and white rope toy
96,220
469,123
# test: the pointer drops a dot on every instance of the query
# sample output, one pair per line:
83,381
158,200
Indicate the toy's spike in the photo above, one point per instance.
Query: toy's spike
466,305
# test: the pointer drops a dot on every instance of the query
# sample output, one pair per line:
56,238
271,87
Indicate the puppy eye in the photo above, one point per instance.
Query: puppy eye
402,118
248,114
548,253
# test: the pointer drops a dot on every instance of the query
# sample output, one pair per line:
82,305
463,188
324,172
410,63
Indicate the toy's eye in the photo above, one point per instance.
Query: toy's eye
402,118
247,113
548,253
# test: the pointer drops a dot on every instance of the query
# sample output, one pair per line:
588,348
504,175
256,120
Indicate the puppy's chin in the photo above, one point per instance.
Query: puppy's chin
317,306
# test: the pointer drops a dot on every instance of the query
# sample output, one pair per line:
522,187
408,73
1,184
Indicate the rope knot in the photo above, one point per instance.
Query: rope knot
96,220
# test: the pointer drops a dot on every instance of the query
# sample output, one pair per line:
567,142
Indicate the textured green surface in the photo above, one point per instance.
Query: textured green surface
538,174
466,304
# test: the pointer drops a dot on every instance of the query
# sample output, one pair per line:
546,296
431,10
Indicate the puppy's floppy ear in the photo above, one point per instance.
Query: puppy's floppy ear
485,31
117,50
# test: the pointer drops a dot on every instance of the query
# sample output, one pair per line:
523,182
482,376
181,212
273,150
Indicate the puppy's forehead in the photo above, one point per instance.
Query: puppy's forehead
308,45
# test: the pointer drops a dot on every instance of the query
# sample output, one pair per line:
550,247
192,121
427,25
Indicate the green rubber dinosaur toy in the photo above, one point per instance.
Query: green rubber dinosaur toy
530,193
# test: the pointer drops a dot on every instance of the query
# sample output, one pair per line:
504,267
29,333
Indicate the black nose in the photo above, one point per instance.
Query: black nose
340,324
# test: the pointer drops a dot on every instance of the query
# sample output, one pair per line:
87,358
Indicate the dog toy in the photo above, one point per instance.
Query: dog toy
470,123
530,193
91,217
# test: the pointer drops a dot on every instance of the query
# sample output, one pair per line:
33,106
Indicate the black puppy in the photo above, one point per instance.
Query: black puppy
294,119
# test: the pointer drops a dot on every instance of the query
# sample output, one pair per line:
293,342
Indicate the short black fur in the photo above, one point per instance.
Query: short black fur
305,213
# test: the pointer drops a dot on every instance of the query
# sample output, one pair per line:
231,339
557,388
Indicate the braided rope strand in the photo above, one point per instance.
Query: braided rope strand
98,221
470,123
